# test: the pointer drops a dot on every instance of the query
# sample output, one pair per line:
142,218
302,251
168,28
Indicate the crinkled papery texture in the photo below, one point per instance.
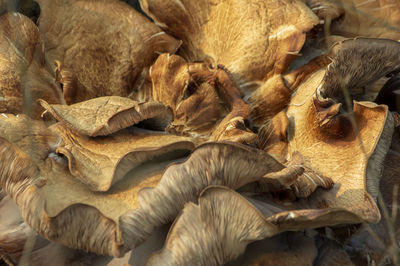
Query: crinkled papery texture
56,204
23,77
379,19
106,115
198,96
354,168
223,223
102,46
253,39
101,162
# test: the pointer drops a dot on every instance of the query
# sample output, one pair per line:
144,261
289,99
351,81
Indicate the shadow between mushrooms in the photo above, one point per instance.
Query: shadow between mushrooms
100,47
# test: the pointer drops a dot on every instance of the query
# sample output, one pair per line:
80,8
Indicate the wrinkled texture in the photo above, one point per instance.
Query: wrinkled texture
104,45
253,39
106,115
23,77
354,168
378,18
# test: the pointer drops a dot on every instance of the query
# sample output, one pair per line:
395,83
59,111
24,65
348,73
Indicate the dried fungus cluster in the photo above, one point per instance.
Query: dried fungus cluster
237,121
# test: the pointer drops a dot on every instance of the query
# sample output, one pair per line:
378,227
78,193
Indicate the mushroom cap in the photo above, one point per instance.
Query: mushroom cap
352,160
106,115
23,77
104,44
253,39
379,19
38,184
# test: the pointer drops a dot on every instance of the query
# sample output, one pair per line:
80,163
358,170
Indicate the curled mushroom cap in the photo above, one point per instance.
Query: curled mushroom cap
23,77
253,39
371,59
353,158
38,181
223,223
106,115
101,46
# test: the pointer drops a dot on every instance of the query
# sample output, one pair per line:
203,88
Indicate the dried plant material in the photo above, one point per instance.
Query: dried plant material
326,9
253,39
371,60
198,96
274,95
101,162
106,115
23,77
194,102
221,163
379,19
331,253
353,160
224,223
273,135
38,183
104,45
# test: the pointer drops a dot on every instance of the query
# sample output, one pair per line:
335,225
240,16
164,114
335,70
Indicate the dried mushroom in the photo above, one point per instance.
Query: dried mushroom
106,115
223,223
205,101
255,41
23,75
101,47
246,134
39,182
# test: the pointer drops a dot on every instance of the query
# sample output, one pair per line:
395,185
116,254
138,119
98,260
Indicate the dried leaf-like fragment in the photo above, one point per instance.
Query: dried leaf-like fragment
253,39
106,115
23,77
103,44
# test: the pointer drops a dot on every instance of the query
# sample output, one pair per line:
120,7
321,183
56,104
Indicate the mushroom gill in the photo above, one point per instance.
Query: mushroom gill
223,223
101,47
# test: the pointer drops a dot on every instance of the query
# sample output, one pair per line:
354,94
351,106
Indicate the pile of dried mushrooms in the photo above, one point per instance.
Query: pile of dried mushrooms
247,132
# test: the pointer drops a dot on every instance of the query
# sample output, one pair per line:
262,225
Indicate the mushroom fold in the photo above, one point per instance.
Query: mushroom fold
106,115
253,39
101,47
23,75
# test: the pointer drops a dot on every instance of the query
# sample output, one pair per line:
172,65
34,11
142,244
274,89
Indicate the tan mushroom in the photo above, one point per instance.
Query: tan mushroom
38,183
223,223
205,101
23,76
101,47
106,115
253,39
379,19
